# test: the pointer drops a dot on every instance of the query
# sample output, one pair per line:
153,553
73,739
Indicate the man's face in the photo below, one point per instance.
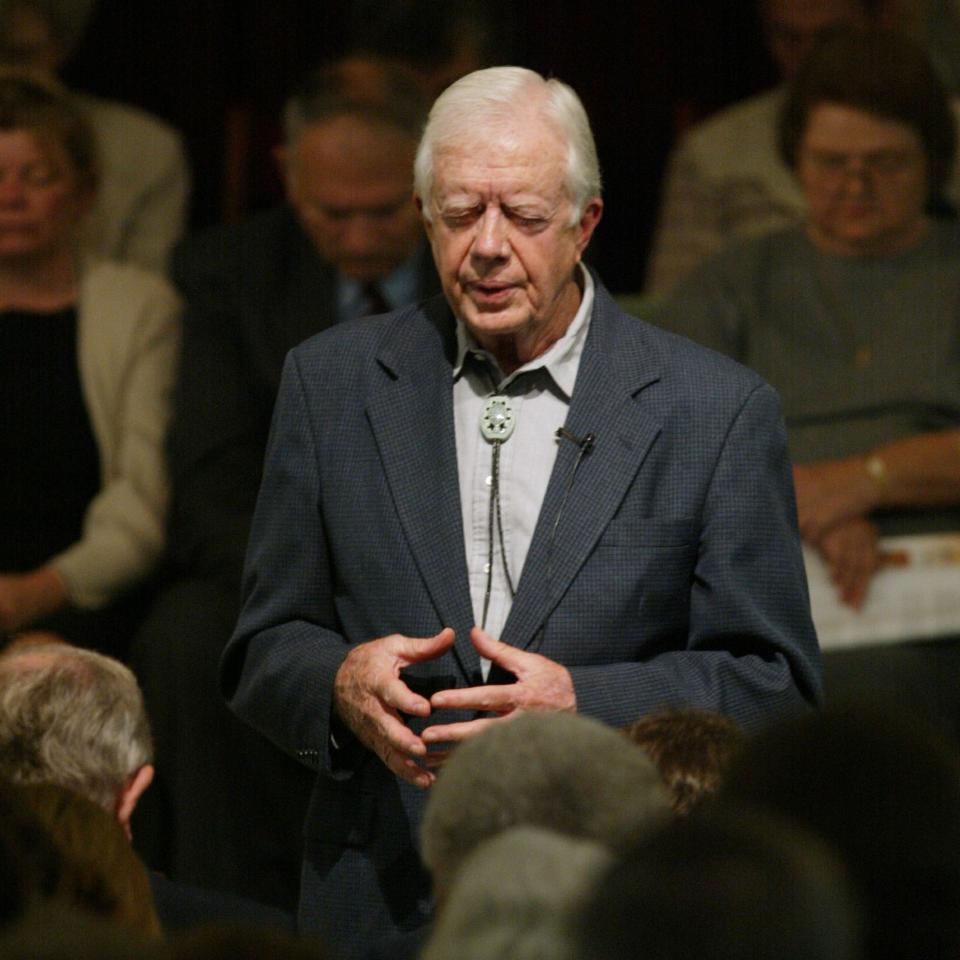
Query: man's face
348,180
793,27
501,234
865,179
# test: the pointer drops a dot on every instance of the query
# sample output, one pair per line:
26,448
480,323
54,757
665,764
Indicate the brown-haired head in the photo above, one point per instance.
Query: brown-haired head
691,749
43,107
880,73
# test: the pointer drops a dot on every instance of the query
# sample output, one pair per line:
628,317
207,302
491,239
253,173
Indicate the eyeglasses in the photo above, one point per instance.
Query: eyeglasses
879,164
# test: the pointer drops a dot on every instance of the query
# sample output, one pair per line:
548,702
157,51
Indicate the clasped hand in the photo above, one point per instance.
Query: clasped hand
370,697
834,499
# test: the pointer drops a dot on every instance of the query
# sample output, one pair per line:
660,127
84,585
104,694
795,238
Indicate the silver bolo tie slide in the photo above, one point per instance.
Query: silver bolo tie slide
497,420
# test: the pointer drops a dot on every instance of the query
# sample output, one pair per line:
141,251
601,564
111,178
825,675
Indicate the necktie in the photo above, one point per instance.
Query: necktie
376,301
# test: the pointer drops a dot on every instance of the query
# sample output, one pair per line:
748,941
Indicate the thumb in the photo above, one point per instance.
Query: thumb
418,649
494,650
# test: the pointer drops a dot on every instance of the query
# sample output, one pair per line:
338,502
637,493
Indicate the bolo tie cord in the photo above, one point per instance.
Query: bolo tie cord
495,509
496,424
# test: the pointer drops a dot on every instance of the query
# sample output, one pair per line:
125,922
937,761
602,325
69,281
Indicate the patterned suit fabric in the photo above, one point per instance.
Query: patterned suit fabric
672,574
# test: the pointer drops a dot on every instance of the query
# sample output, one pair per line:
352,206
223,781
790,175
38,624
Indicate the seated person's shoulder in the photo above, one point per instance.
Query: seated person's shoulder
127,133
730,136
125,284
234,249
401,339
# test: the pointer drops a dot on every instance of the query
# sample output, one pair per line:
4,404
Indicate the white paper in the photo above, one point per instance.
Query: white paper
915,594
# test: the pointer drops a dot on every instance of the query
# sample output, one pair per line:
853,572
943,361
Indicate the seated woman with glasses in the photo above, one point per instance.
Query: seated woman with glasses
855,316
87,355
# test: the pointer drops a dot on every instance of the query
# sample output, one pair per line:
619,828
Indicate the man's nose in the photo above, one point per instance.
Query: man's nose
361,233
490,241
857,176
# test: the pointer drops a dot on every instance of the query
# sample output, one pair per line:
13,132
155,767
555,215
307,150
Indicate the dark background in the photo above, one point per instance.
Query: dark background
219,71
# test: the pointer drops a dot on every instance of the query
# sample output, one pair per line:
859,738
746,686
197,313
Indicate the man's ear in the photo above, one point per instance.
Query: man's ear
588,223
130,793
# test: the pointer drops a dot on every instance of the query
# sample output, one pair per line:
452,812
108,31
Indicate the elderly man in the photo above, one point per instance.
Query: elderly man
346,243
76,718
510,498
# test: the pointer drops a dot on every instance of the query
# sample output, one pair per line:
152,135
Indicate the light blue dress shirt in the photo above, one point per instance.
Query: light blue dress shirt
539,393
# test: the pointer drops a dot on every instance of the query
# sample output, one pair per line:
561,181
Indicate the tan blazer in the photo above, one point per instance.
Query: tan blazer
128,333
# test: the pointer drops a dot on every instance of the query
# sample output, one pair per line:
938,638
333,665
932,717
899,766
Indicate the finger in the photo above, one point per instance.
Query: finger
396,695
497,651
417,649
490,698
407,770
398,737
457,732
435,759
861,573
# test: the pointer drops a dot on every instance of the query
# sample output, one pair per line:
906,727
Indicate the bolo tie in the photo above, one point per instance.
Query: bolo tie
497,421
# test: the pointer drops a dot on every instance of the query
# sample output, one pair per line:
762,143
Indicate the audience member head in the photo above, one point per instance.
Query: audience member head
41,34
885,792
559,771
497,102
793,27
868,130
29,861
350,137
48,156
100,872
516,896
57,931
438,40
691,748
722,888
75,718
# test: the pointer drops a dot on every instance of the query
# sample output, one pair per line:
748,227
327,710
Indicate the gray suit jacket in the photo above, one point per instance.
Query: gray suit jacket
673,577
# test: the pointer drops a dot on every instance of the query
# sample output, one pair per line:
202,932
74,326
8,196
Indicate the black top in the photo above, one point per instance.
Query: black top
49,463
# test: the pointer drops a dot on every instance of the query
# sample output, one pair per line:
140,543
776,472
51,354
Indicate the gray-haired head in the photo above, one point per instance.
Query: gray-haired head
381,92
71,717
560,771
494,101
517,896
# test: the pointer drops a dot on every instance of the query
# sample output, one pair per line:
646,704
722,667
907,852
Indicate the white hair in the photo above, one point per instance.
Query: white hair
560,771
491,99
72,717
518,895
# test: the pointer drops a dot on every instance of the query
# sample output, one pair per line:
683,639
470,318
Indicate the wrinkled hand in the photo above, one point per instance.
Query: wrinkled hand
542,684
831,492
28,597
850,551
369,697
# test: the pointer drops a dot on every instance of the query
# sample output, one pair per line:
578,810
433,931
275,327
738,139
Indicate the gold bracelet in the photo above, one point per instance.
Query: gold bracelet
877,471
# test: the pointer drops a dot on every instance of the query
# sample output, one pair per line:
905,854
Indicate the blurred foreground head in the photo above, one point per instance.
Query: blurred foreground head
558,771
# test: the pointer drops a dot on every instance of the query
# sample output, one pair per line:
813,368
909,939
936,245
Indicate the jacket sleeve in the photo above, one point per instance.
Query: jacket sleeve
127,366
278,670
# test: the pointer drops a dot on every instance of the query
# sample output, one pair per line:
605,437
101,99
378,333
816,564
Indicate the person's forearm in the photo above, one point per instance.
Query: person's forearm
919,471
26,598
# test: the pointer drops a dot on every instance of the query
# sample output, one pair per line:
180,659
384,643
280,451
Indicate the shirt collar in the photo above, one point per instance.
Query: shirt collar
561,360
399,287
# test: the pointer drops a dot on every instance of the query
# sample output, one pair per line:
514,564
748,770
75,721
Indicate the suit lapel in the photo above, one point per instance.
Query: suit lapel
582,497
412,421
